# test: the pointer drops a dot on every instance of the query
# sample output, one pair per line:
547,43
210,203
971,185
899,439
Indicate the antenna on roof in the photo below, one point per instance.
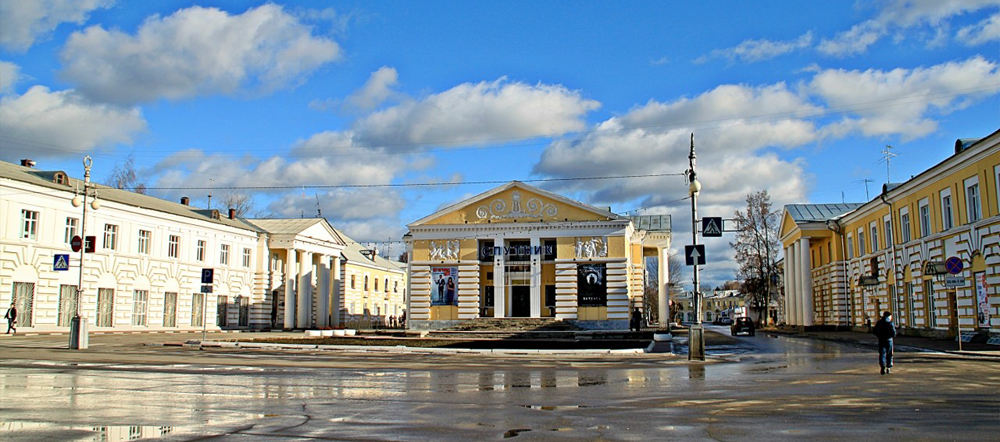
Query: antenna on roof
866,181
886,156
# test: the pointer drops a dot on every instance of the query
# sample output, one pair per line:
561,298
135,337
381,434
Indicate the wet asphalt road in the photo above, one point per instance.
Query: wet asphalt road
758,388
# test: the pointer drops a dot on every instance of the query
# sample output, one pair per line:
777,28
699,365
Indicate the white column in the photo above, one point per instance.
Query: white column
499,289
323,284
291,283
807,295
787,283
536,279
335,292
663,288
793,269
304,308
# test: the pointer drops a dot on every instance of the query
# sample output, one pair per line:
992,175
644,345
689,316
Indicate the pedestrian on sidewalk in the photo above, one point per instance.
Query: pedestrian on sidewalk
885,330
11,317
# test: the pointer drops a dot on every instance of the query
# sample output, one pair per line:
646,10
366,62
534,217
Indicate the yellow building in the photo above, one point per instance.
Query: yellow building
373,289
926,249
520,251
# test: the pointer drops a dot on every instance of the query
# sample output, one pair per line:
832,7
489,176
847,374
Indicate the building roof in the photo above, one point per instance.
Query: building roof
46,179
353,252
290,226
804,213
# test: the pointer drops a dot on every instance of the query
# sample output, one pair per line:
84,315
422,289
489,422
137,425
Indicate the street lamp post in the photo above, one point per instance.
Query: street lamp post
696,332
78,339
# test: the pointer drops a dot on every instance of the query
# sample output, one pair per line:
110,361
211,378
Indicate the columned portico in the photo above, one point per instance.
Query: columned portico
805,270
291,278
323,284
335,300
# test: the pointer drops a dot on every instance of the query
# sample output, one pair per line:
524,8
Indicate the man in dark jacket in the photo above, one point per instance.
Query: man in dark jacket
11,317
884,330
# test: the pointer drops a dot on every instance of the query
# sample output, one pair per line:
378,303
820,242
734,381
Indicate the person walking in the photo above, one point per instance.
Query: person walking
885,330
11,317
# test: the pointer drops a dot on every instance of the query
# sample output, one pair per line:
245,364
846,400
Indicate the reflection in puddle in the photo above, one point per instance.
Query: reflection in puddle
555,407
109,433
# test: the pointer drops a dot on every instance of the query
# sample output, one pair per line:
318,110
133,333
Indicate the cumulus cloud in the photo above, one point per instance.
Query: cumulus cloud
23,22
751,51
985,31
10,73
477,113
51,124
195,51
375,91
902,99
900,15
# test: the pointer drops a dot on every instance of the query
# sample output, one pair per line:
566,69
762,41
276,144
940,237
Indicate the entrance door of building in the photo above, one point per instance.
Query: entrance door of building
520,301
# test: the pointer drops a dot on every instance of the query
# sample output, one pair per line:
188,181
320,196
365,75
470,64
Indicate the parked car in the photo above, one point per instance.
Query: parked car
722,320
742,325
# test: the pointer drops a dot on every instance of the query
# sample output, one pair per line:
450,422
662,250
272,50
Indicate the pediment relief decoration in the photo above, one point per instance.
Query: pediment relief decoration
500,209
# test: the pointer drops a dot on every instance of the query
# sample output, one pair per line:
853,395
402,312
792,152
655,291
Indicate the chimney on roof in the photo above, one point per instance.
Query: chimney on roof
232,213
185,201
28,162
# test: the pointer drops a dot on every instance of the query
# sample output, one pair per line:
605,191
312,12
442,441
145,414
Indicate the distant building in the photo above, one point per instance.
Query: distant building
374,288
925,249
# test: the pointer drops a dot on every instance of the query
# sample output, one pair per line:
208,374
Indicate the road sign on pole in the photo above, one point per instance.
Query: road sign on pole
711,226
207,275
76,243
61,262
954,265
694,255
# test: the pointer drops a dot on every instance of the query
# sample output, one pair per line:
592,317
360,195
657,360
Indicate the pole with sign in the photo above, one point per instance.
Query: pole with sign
207,276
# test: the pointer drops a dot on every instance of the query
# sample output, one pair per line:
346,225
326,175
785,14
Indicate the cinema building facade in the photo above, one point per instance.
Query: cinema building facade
521,252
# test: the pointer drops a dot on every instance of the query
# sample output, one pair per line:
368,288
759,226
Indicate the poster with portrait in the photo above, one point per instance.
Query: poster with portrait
982,300
444,285
592,285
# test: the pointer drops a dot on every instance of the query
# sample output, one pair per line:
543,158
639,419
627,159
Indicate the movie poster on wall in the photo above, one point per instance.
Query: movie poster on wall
592,285
444,285
982,300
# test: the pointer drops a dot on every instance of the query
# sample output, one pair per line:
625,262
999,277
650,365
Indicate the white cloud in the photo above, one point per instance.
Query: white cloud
195,51
985,31
751,51
900,101
10,73
901,15
49,124
375,91
477,113
23,22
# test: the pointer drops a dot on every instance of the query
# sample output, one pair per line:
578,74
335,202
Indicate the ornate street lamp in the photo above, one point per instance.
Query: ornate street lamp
696,333
78,339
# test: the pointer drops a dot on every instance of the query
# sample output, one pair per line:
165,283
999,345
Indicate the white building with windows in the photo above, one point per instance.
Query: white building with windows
146,270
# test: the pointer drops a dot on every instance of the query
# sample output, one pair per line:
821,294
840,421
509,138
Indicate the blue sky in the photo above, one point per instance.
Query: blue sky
798,98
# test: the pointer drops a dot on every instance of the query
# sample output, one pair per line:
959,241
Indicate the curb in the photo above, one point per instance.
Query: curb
399,349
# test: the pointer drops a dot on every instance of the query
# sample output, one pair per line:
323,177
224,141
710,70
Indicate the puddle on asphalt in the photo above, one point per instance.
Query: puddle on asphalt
106,433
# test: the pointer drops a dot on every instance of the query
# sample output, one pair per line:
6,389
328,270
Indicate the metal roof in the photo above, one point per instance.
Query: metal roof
290,226
803,213
352,252
45,179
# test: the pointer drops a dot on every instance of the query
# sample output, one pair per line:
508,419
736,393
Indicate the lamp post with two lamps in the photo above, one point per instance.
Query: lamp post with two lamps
696,332
78,339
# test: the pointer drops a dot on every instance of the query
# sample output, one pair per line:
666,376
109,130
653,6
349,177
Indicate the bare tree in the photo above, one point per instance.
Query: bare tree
124,177
403,257
651,291
756,249
243,203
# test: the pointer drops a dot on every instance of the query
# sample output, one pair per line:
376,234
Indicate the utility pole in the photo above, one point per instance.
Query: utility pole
696,332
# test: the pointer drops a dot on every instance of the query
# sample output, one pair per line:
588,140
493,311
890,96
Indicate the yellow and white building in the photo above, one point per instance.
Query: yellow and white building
373,288
844,263
520,251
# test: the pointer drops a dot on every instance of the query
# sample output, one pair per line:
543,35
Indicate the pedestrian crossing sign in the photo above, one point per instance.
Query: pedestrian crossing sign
711,226
60,262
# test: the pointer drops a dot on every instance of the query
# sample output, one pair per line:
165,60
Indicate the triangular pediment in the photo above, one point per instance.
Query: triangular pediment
516,202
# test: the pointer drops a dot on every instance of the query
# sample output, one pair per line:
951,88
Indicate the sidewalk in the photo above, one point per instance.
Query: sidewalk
901,343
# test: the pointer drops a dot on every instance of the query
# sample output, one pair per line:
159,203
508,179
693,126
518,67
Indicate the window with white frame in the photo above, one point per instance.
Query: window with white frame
874,238
861,242
71,226
850,246
904,224
973,210
925,217
29,224
246,258
111,237
199,251
173,246
139,302
145,237
887,221
947,220
224,254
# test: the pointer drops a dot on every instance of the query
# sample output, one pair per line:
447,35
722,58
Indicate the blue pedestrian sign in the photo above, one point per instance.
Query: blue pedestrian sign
60,262
954,265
